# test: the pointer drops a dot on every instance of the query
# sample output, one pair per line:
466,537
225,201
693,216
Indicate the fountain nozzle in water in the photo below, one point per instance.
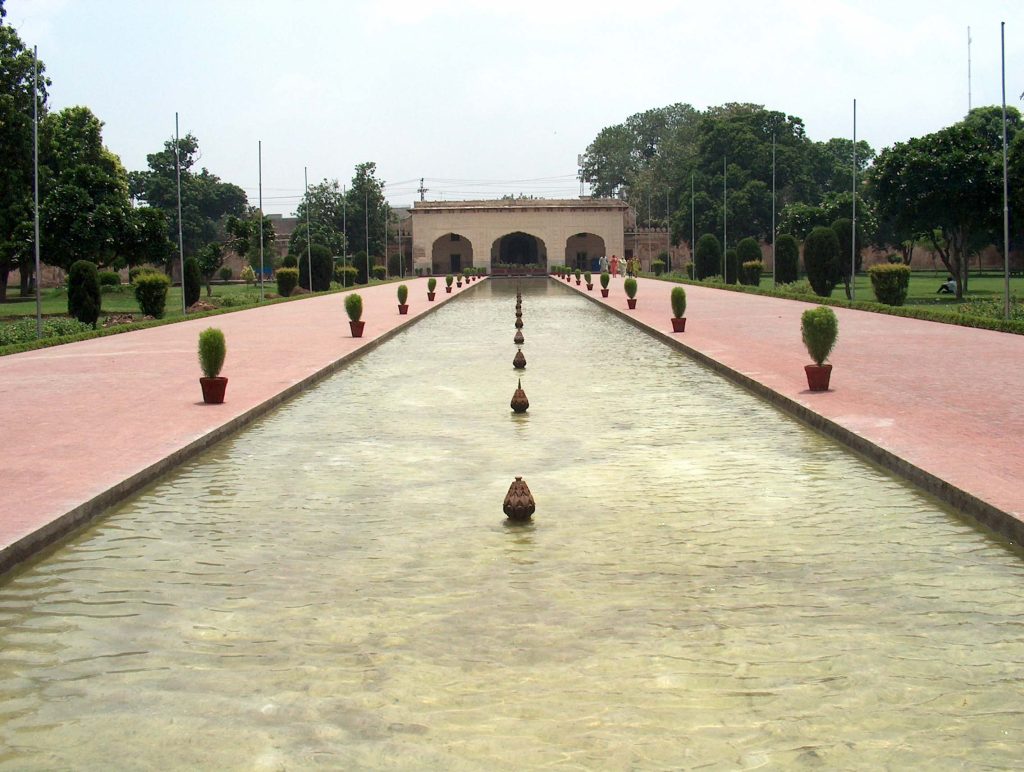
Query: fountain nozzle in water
520,403
519,503
519,362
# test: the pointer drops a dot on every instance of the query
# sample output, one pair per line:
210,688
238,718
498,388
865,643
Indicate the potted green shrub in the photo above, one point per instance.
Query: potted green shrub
431,285
630,286
605,278
589,279
354,309
820,328
448,283
403,295
578,274
678,299
212,350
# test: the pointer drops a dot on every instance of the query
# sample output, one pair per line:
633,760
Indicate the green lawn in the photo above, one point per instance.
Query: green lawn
986,286
55,301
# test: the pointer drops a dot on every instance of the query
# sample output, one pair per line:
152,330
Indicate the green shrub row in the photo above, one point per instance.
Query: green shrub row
24,330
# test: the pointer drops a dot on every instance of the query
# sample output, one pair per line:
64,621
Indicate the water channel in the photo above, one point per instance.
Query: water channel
707,583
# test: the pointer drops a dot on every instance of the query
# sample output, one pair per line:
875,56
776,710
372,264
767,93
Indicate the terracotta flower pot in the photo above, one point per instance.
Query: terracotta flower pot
818,376
448,289
430,296
678,324
604,292
357,328
403,308
458,284
631,302
213,389
578,282
590,287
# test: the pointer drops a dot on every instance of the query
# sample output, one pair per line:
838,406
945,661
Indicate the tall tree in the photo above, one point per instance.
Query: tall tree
85,206
206,201
946,186
17,91
325,206
365,203
243,237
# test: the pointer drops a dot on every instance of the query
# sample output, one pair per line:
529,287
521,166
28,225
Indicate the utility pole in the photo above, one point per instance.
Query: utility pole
773,211
968,70
260,161
309,230
693,228
668,235
853,235
1006,207
35,182
725,220
422,190
181,244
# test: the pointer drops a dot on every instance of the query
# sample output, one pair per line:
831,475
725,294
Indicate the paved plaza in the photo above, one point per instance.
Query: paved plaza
89,422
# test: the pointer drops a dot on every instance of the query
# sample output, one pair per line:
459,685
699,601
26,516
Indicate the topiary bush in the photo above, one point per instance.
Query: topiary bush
588,277
707,257
212,350
750,273
323,268
658,266
225,273
110,279
689,270
192,283
678,299
379,272
819,328
248,274
787,259
151,293
354,306
732,266
890,281
821,260
748,251
84,292
605,279
431,284
134,272
289,261
403,294
448,279
287,281
630,286
346,275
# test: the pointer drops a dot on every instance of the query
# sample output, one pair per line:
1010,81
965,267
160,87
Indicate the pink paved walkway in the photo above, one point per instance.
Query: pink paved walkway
949,400
84,417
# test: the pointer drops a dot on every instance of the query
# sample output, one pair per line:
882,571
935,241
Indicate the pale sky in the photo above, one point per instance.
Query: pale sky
486,98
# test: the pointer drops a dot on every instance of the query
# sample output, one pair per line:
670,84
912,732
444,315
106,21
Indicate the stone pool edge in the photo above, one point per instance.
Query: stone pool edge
1003,523
35,545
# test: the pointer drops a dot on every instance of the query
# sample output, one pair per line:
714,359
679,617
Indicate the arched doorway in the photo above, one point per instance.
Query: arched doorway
521,251
582,251
451,253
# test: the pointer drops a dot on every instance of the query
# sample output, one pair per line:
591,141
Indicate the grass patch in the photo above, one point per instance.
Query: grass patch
984,298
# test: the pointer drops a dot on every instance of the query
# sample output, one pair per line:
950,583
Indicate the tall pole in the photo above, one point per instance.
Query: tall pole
344,229
668,235
773,211
261,216
387,216
693,228
968,69
35,182
309,231
725,220
366,225
853,234
1006,205
181,243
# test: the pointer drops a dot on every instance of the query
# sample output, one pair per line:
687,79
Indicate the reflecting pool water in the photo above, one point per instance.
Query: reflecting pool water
706,583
